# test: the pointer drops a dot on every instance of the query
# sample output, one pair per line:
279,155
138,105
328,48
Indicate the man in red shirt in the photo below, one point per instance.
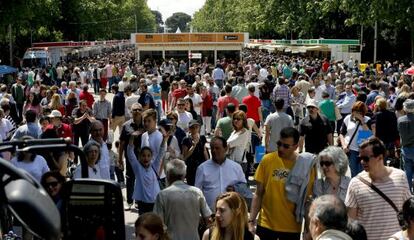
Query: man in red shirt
178,93
85,95
63,130
222,102
254,106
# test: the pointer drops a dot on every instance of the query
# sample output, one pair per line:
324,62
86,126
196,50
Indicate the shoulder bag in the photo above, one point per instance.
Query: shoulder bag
387,199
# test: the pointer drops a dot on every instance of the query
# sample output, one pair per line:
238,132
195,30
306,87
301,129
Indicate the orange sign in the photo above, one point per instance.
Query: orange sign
176,38
148,38
189,38
200,37
230,37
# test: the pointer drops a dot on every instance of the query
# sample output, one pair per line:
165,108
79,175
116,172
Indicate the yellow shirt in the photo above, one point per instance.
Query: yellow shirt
277,212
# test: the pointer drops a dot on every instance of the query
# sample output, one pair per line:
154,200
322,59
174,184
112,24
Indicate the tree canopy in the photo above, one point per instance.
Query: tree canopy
77,20
178,20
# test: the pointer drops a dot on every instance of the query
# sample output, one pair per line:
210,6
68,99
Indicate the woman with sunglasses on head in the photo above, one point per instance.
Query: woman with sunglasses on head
333,164
53,182
351,125
239,139
230,219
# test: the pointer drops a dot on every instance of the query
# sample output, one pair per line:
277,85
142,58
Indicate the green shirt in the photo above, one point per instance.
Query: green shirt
226,126
327,108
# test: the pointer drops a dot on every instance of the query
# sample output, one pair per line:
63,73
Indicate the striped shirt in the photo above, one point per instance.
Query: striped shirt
102,109
373,212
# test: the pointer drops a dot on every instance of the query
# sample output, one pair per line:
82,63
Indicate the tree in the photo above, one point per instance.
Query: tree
158,21
178,20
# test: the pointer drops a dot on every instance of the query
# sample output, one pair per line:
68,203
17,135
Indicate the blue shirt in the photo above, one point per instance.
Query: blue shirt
146,181
155,89
30,129
345,104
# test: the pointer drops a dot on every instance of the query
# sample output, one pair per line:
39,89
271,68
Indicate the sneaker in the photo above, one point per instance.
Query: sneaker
129,207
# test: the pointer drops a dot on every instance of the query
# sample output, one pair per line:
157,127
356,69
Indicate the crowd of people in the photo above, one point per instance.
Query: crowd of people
335,138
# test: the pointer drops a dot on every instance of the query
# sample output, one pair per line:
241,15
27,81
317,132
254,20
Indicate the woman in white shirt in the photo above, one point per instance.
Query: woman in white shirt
92,152
239,139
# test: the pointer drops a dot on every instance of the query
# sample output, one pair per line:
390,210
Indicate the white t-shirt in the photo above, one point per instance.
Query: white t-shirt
93,173
183,120
153,140
36,168
196,98
351,128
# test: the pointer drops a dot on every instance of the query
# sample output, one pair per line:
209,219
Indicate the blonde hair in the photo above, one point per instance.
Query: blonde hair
55,103
239,221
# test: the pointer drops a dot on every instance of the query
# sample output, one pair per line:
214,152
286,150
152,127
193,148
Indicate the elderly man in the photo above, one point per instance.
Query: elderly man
216,174
406,131
97,131
328,219
180,205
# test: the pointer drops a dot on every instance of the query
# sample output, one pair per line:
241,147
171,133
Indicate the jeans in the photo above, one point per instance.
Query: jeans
267,108
130,182
408,156
158,109
213,118
96,85
354,164
219,83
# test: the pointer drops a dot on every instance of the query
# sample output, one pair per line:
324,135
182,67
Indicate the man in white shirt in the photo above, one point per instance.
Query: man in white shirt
196,98
184,117
97,132
216,174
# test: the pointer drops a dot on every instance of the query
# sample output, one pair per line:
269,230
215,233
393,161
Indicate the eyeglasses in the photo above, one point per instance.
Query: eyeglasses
285,145
364,158
51,184
325,163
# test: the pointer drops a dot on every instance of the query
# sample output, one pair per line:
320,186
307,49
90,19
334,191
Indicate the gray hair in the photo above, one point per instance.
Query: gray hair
338,157
330,211
176,169
89,145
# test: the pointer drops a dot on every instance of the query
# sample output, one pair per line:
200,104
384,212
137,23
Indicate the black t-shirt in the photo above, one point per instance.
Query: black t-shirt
165,85
84,124
315,132
127,129
189,79
196,158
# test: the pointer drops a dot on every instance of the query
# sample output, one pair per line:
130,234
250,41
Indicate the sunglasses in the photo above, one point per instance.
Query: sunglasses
325,163
363,158
285,145
180,104
238,119
136,110
52,184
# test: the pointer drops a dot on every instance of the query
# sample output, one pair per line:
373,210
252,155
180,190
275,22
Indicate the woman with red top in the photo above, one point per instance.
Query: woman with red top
206,110
85,95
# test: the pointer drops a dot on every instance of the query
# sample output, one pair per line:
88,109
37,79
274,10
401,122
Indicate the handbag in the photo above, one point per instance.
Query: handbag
387,199
161,183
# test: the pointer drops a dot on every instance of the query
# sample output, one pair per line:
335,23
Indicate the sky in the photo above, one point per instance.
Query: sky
168,7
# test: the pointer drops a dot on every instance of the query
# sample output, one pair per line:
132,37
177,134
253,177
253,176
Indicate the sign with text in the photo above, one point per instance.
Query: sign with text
194,55
165,38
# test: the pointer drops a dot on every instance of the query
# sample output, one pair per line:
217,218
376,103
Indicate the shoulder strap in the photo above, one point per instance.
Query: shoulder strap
353,135
158,177
373,187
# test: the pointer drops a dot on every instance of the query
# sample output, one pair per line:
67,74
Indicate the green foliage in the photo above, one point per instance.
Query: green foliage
178,20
